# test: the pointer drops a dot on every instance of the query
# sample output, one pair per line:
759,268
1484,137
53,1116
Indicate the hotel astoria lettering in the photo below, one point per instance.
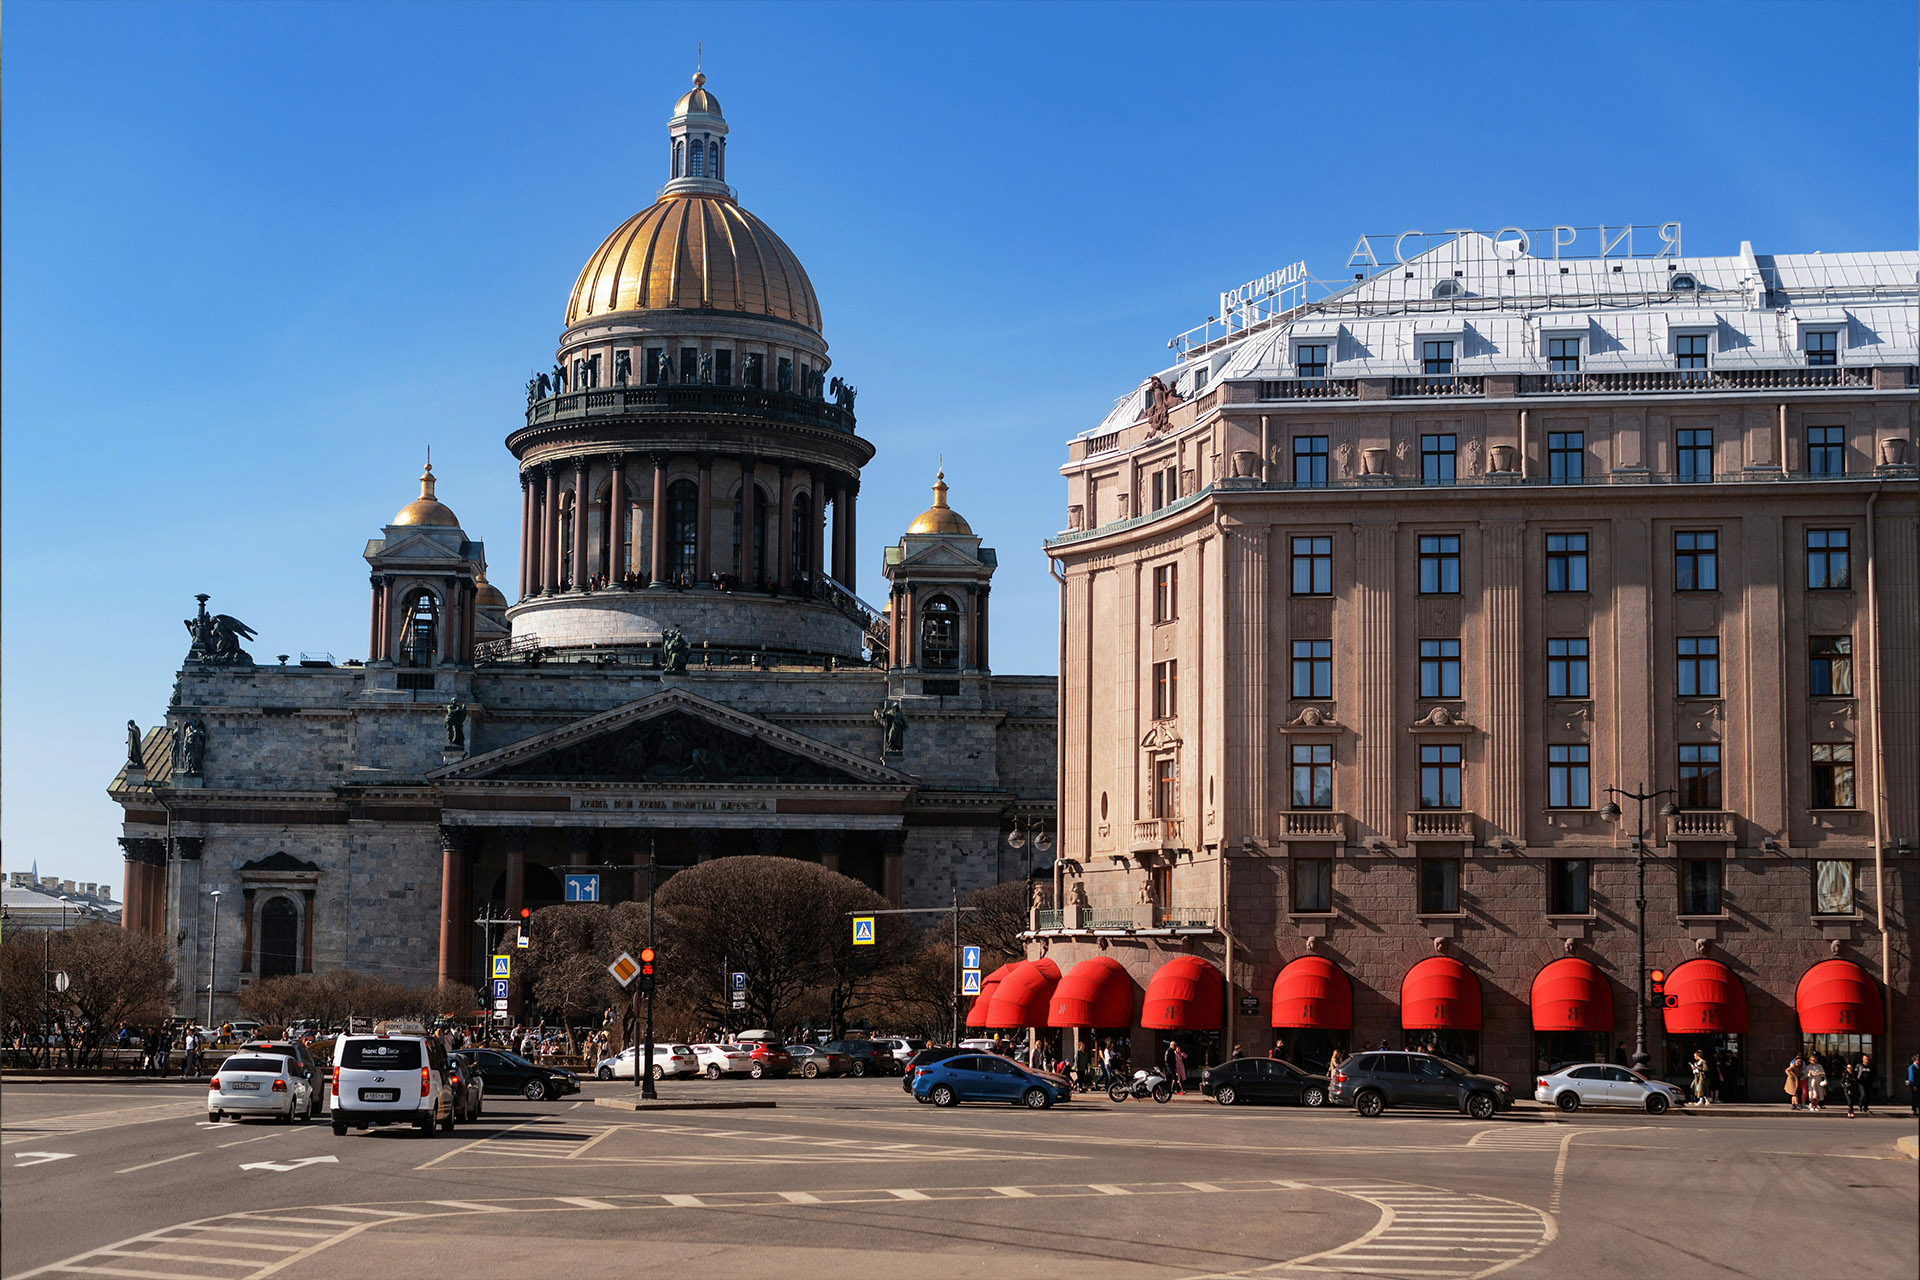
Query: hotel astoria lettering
1657,240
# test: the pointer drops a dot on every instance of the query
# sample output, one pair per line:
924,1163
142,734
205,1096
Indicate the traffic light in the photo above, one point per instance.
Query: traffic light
526,914
646,968
1658,977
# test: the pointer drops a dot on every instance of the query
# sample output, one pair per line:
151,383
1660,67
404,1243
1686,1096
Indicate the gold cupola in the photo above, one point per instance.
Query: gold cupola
426,509
940,518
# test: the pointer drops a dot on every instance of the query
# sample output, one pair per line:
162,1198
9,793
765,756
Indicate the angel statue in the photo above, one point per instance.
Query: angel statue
217,637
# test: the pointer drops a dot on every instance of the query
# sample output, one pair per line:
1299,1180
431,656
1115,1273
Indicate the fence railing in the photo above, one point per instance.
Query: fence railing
1052,918
780,406
1109,917
1661,381
1439,385
1311,389
1701,822
1313,823
1441,823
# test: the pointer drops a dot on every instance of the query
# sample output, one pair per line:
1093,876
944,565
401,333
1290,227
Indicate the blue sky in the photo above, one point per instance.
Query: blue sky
257,258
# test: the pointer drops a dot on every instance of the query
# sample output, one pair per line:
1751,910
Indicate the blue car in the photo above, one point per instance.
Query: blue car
987,1077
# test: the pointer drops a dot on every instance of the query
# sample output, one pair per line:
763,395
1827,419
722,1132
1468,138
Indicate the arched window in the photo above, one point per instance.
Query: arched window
279,938
801,562
420,630
713,159
698,169
752,568
683,528
940,635
679,158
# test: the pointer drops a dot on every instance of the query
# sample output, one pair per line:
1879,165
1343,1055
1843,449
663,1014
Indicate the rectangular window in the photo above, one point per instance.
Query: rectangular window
1833,887
1566,562
1833,775
1440,777
723,366
689,364
1313,884
1166,778
1828,568
1313,566
1567,778
1699,666
1439,886
1439,668
1313,668
1159,485
1436,358
1437,459
1440,565
1699,776
1310,462
1827,451
1566,668
1823,347
1566,456
1830,666
1693,453
1568,881
1166,689
1696,562
1313,777
1700,886
1310,361
1563,357
1166,591
1690,353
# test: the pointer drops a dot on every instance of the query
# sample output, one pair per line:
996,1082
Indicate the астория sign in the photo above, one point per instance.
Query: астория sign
1571,242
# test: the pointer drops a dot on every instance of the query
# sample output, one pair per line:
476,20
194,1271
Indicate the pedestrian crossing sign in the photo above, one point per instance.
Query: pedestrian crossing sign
503,966
863,931
970,982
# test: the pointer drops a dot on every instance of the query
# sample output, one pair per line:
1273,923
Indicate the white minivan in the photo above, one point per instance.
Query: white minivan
385,1078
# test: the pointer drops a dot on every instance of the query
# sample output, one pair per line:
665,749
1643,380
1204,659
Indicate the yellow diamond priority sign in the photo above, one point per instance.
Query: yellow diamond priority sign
863,931
625,969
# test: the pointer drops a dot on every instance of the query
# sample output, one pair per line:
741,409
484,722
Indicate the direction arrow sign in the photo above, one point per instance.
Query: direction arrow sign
290,1165
26,1158
583,888
863,931
625,969
970,982
503,966
969,957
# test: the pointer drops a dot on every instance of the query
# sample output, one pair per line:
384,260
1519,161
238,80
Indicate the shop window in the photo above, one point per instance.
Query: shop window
1439,886
1833,775
1700,886
1699,666
1569,882
1313,668
1313,776
1828,563
1833,887
1440,565
1566,562
1699,776
1440,777
1313,885
1313,566
1830,666
1439,668
1566,668
1568,782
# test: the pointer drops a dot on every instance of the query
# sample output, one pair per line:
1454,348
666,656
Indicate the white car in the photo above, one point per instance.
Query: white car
668,1060
391,1078
259,1084
718,1060
979,1045
901,1047
1600,1084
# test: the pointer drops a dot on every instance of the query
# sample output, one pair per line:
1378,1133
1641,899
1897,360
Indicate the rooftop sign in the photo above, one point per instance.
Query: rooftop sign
1657,240
1246,305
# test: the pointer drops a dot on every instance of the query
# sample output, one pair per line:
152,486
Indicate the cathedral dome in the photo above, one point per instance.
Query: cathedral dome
940,518
697,99
426,509
486,595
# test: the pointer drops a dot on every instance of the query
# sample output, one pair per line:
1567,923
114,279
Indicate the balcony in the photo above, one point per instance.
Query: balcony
661,401
1440,825
1668,381
1700,824
1314,824
1155,835
1311,389
1053,918
1108,917
1189,917
1438,385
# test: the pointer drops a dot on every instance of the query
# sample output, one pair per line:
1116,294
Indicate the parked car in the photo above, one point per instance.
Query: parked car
901,1047
668,1060
1600,1084
301,1056
718,1060
388,1078
510,1073
811,1060
260,1084
468,1083
770,1058
988,1077
923,1058
870,1057
983,1044
1263,1080
1372,1082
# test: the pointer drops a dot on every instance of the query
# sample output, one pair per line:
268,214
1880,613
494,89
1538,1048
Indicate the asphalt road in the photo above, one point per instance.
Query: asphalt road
852,1177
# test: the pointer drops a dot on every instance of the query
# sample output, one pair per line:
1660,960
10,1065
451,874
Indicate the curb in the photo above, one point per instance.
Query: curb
618,1104
1909,1146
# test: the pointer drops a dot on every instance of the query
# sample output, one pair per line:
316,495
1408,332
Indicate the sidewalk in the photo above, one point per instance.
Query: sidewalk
1529,1110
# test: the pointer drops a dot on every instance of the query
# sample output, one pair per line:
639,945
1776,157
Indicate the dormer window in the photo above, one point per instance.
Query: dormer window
1436,357
1823,348
1682,282
1690,355
1563,360
1449,289
1310,360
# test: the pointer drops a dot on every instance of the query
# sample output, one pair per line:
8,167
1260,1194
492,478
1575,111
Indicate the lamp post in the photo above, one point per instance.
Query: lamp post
213,956
1611,812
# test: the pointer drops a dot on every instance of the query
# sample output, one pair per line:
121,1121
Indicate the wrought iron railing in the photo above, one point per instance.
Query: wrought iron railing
1189,917
1053,918
1109,917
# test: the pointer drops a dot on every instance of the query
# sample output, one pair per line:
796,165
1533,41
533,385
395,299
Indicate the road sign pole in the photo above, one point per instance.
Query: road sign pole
955,1041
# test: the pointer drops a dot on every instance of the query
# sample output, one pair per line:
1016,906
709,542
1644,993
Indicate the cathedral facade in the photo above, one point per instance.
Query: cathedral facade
687,670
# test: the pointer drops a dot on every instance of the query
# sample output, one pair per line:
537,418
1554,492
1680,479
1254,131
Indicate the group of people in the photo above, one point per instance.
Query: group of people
1808,1081
1716,1076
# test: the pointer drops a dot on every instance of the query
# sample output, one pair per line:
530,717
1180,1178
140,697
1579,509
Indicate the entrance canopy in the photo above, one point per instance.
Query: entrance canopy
1313,992
1571,995
1837,998
977,1015
1097,992
1704,998
1021,998
1440,994
1184,995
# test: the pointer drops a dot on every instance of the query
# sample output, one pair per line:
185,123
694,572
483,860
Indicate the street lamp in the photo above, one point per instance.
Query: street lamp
213,956
1611,812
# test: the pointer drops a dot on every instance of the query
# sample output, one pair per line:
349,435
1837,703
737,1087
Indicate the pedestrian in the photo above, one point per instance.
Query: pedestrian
1793,1083
1913,1084
1620,1055
190,1067
1866,1084
1850,1086
164,1049
1816,1082
1176,1067
1335,1061
1701,1092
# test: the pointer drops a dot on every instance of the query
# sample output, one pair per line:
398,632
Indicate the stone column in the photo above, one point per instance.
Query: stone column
816,524
373,620
909,643
469,602
749,503
892,846
550,531
581,501
839,532
616,522
516,874
853,541
658,571
386,619
306,930
703,536
1373,672
896,605
783,558
828,843
980,642
1503,546
246,928
526,533
452,871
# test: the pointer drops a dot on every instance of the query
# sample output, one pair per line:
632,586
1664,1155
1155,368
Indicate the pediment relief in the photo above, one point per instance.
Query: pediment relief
942,555
1163,736
421,547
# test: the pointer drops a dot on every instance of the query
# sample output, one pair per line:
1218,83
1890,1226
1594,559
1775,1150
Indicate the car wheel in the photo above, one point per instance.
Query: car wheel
1313,1096
427,1125
446,1125
1481,1106
756,1071
213,1117
339,1128
313,1107
1224,1095
859,1067
536,1091
286,1118
1369,1103
604,1073
713,1071
810,1070
1036,1099
1568,1101
658,1072
943,1096
1657,1104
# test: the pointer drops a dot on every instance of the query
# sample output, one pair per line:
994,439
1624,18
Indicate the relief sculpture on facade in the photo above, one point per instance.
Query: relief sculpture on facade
673,748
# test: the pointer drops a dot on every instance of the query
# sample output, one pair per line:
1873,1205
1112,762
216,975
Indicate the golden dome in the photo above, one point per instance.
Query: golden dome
940,518
485,594
697,99
426,509
694,252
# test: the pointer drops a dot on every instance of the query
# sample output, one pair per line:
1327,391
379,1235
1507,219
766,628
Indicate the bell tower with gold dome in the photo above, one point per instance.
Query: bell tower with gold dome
427,582
683,457
937,606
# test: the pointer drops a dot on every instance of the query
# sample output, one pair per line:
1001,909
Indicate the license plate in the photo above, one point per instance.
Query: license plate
379,1095
244,1084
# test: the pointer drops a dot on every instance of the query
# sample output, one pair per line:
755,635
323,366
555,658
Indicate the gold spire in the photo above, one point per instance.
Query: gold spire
940,518
426,509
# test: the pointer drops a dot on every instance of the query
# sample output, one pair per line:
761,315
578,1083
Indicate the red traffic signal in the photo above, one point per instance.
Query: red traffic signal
646,968
526,913
1658,977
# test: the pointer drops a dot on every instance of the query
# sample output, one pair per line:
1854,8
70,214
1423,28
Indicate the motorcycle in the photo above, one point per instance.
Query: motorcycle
1145,1084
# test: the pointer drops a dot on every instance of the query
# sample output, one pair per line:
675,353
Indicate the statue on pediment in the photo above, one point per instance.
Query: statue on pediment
674,651
456,722
133,745
893,726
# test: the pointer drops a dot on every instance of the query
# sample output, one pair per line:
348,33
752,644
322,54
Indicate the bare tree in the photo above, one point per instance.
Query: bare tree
277,1001
566,965
114,976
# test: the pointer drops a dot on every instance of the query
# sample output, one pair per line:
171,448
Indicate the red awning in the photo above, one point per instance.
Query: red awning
1703,999
1571,995
1837,998
1097,992
1021,998
1313,991
977,1015
1183,996
1440,994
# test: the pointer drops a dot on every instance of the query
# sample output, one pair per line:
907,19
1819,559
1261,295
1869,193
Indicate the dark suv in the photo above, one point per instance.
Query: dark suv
1372,1082
870,1058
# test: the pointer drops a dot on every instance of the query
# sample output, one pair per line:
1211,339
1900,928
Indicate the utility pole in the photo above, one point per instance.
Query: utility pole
1611,812
213,957
956,908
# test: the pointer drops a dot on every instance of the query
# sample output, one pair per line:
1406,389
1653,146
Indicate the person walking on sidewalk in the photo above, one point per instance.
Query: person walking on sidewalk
1850,1085
1701,1093
1865,1075
1816,1082
1176,1064
1793,1083
1913,1084
190,1064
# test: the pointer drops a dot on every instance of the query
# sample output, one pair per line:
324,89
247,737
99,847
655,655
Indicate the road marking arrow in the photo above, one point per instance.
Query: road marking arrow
291,1165
26,1158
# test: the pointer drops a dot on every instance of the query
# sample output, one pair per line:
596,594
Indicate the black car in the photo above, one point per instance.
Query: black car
469,1083
870,1058
510,1073
1263,1080
1372,1082
923,1058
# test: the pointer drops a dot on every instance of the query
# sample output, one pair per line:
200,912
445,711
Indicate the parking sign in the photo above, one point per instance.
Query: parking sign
969,957
500,986
739,982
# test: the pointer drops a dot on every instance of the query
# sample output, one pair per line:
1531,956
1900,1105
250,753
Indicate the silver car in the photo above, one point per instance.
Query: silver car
1601,1084
258,1084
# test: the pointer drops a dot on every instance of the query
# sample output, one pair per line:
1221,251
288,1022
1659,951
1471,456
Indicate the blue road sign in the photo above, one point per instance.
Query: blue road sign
500,991
863,931
739,982
583,888
970,982
969,957
502,967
